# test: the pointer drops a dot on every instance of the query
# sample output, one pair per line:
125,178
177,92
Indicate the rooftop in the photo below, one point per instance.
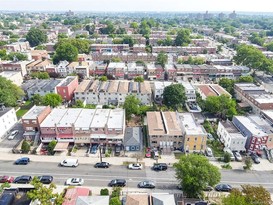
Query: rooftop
9,74
84,119
100,118
34,112
67,80
53,118
69,117
189,125
4,111
116,119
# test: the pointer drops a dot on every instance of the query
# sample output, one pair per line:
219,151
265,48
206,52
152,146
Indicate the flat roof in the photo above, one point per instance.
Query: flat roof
34,112
69,117
155,123
100,118
85,118
53,118
116,119
190,126
67,80
6,110
171,123
9,74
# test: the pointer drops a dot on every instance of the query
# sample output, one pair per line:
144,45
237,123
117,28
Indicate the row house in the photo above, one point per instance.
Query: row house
267,115
133,70
109,47
79,68
206,90
41,87
139,48
112,92
62,68
14,66
41,66
184,50
84,126
230,136
155,72
32,119
17,47
256,138
67,87
227,38
154,40
189,91
98,69
164,131
14,76
254,96
158,89
8,119
200,42
39,54
195,136
116,70
170,72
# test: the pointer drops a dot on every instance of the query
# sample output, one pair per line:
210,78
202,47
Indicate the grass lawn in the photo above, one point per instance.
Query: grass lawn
177,155
217,148
23,109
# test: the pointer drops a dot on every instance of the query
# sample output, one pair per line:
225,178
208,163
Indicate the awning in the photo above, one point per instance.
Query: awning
29,134
61,146
65,136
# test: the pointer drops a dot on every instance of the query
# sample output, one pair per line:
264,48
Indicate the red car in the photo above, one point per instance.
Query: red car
148,153
4,179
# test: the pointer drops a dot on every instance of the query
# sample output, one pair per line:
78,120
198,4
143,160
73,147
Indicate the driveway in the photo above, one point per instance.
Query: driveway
5,143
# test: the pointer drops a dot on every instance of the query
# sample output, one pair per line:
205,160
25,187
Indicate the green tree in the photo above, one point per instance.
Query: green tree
183,37
17,56
9,92
269,46
40,75
194,172
116,59
256,39
52,99
37,99
246,79
3,186
36,37
128,40
82,45
134,25
51,146
248,163
65,51
115,201
44,194
78,104
25,147
104,192
131,106
228,84
139,79
40,47
116,192
227,157
174,95
109,29
103,78
250,195
162,59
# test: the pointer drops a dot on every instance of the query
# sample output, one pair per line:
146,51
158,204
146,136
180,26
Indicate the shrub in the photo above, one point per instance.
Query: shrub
25,147
248,163
226,166
104,192
116,192
227,157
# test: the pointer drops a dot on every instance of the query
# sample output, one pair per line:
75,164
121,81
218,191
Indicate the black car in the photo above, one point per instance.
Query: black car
102,165
223,187
23,160
160,167
147,184
25,179
46,179
255,158
118,182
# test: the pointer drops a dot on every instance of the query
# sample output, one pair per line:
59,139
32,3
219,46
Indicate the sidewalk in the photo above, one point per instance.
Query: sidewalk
6,154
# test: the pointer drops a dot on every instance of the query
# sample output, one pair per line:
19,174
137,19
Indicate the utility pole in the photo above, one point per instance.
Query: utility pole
100,153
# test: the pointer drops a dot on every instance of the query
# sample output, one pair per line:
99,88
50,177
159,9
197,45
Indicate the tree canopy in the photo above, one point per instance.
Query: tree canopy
131,106
162,59
9,92
194,172
228,84
36,37
65,51
250,195
52,99
246,79
139,79
44,194
40,75
174,95
82,45
183,37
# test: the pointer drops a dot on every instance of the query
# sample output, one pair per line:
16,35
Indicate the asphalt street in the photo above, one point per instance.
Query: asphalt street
164,180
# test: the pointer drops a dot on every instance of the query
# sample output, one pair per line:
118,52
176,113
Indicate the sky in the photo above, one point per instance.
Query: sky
138,5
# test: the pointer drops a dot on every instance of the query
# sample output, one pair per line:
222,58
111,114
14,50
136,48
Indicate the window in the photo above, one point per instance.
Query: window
194,147
188,139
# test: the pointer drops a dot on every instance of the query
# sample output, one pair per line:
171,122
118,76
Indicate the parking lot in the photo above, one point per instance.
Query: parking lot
5,143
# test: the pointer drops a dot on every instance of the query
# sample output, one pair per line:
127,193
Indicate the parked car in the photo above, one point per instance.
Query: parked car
208,188
255,158
223,187
23,160
4,179
118,182
147,184
13,134
117,149
25,179
160,167
70,163
102,165
237,156
209,152
74,181
46,179
136,166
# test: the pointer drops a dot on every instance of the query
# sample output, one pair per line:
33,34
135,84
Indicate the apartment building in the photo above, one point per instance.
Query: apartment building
14,76
33,118
109,47
158,89
67,87
155,72
254,96
7,119
164,130
139,48
112,92
133,70
117,70
14,66
184,50
206,90
189,91
195,136
256,137
62,68
75,125
230,136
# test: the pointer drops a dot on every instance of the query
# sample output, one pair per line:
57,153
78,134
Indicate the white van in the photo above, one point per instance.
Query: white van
70,163
209,152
